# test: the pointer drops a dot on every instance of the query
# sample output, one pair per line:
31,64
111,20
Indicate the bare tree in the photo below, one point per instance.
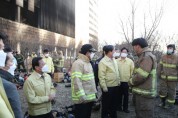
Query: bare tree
150,32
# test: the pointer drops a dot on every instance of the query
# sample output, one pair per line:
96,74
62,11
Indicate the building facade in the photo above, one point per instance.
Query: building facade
32,25
86,22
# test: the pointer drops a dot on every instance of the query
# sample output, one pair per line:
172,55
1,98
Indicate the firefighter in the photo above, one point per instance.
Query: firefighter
20,61
28,63
33,55
61,61
168,73
56,62
83,83
109,80
143,82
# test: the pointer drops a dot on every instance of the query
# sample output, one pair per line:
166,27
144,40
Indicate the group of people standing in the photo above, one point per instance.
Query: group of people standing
10,104
55,57
117,76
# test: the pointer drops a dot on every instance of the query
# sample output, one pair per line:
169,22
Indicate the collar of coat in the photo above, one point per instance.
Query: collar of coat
108,59
84,58
39,75
145,50
113,67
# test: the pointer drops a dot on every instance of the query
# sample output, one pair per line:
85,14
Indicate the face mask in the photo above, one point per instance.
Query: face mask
116,54
44,68
10,64
12,69
169,51
2,58
124,54
92,55
46,55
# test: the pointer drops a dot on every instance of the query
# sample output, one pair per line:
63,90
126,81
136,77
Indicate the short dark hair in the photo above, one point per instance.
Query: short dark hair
108,48
45,50
3,36
87,48
171,46
35,62
103,50
124,48
140,41
7,49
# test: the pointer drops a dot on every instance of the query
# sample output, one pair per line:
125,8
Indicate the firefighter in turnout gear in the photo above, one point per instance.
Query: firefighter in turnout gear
143,82
56,62
20,61
168,74
61,60
83,83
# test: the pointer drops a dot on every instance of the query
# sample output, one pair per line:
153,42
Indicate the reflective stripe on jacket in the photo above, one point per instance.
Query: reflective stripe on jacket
168,68
83,83
144,79
58,62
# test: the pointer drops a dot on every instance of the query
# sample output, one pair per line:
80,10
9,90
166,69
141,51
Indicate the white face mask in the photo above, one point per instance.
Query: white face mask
44,69
2,58
124,54
46,55
116,54
169,51
92,55
12,69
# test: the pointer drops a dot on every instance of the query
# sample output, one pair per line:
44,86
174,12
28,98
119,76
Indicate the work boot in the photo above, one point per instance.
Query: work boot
163,102
169,106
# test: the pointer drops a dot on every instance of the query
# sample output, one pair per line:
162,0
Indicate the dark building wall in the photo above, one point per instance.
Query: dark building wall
58,16
31,38
53,15
8,9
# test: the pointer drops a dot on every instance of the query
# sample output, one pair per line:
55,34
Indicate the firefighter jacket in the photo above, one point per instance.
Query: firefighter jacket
58,62
28,63
144,78
49,63
19,58
37,88
82,83
33,55
108,73
168,68
61,62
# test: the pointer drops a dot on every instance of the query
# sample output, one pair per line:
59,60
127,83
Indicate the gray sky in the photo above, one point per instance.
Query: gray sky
110,11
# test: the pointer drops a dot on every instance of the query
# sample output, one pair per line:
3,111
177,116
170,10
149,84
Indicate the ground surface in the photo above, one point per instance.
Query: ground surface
64,99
